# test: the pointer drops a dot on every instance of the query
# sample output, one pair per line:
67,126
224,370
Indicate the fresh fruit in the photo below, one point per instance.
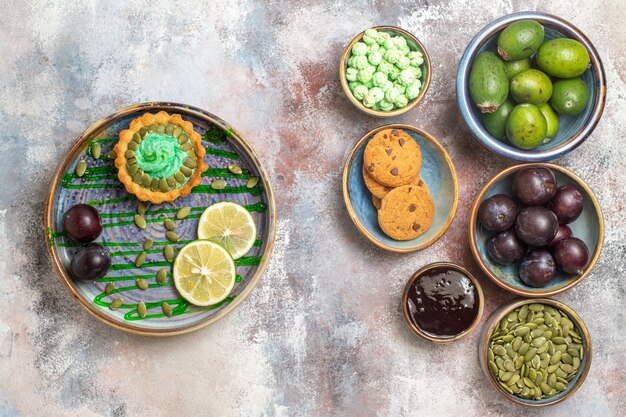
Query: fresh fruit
571,255
552,120
564,232
515,67
204,273
537,268
520,40
563,58
567,204
526,127
90,262
536,225
498,213
534,186
570,96
495,122
506,248
230,225
82,223
531,86
488,83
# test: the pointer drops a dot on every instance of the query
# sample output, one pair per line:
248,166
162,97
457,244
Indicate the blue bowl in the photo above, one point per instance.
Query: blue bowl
437,172
589,228
573,130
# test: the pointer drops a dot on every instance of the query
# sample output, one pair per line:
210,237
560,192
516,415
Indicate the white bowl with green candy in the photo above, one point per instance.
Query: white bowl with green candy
385,71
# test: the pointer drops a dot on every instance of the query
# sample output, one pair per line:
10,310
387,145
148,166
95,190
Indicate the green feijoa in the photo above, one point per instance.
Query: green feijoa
160,129
526,128
523,313
147,244
177,132
163,187
218,184
169,224
520,40
169,253
509,365
132,146
143,131
167,309
115,304
171,182
488,83
146,180
180,177
523,349
142,283
235,169
532,352
172,236
183,212
513,380
515,67
495,122
152,127
521,331
137,138
186,171
252,182
499,350
186,146
161,276
183,138
169,128
154,185
109,288
493,367
570,97
81,167
531,86
140,221
141,309
141,258
563,58
96,150
539,341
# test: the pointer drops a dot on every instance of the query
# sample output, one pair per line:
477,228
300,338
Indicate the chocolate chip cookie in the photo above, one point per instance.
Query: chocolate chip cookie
407,212
392,158
376,188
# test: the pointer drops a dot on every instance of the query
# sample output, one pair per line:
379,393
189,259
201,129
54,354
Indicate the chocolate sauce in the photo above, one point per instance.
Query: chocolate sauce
442,302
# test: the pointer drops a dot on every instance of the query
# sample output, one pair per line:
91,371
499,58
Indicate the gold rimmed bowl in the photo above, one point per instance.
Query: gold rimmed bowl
437,172
408,308
501,318
589,227
414,44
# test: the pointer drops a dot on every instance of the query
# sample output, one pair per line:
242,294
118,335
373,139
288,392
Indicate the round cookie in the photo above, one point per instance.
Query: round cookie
377,189
392,158
377,202
407,212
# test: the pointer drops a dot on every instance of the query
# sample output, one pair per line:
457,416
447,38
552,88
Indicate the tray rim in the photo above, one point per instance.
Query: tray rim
176,108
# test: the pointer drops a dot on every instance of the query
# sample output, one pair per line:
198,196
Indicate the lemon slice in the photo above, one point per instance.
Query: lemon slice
204,273
230,225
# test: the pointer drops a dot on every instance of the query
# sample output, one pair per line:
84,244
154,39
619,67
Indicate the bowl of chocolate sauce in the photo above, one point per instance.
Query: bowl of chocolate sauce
442,302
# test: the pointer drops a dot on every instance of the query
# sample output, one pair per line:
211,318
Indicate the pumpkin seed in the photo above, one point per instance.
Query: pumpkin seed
169,253
499,350
190,163
161,276
186,146
141,258
500,363
81,167
521,331
506,388
163,186
513,379
538,342
147,244
556,358
167,309
512,316
143,131
169,128
566,358
172,236
252,182
508,338
140,221
137,176
552,368
137,138
154,185
493,367
191,153
115,304
535,307
517,343
235,169
559,386
567,368
490,354
536,333
177,132
183,138
141,208
218,184
109,288
141,309
152,128
160,129
183,212
132,146
558,340
129,154
142,283
529,383
506,377
180,177
146,180
132,169
96,150
112,154
523,348
509,365
169,224
542,349
171,182
530,354
519,362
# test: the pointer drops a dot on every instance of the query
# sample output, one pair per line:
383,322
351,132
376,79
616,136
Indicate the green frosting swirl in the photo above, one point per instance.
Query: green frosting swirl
159,155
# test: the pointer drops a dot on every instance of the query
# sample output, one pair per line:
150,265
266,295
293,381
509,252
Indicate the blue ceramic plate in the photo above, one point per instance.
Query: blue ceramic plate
573,130
437,172
100,188
589,227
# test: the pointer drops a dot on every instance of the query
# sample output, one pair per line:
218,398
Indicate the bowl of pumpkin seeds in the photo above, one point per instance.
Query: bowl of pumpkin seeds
535,352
